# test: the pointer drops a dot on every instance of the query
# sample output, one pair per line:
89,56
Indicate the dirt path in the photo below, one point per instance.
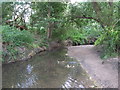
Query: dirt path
105,75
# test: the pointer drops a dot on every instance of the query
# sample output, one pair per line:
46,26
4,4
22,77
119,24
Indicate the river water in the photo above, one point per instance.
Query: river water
53,69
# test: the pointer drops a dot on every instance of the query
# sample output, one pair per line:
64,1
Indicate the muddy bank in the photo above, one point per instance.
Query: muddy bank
23,53
105,75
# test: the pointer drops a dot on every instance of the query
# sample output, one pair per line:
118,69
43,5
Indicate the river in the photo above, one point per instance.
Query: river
53,69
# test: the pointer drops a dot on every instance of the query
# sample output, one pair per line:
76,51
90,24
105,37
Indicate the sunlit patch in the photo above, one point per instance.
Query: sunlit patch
66,54
30,81
72,83
29,68
69,66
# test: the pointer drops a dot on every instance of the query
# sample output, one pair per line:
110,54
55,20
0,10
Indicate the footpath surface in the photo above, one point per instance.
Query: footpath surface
105,75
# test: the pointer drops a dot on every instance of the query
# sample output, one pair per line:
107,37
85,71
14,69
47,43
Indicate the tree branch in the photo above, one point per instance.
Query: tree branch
87,18
84,17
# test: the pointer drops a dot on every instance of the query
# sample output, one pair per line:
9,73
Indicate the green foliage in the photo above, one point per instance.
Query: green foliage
92,31
110,41
42,41
7,10
13,37
76,36
80,22
81,9
40,17
79,35
73,33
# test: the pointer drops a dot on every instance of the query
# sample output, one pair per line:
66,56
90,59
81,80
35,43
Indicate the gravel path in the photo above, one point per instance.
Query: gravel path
105,75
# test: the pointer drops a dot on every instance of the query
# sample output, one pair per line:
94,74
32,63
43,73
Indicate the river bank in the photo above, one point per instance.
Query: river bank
105,75
24,53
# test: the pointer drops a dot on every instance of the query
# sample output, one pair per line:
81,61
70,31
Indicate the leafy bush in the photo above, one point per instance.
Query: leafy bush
92,31
15,36
86,34
76,36
109,40
12,37
72,33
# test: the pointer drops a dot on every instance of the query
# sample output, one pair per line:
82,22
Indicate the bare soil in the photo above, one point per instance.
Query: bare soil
105,75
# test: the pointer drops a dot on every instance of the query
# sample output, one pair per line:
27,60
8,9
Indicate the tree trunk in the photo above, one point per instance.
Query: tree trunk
49,31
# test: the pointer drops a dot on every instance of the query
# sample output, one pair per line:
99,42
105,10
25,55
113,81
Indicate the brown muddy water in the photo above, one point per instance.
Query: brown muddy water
52,69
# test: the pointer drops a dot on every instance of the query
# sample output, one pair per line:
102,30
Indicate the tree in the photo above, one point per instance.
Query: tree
14,14
50,13
104,13
7,11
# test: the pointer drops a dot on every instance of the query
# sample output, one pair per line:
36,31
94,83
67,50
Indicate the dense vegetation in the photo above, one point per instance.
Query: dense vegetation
83,23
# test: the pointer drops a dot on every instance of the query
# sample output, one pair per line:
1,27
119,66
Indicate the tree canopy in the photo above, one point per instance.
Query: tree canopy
83,23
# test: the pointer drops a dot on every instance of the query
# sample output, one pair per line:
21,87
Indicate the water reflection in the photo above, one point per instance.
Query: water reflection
29,81
29,68
49,70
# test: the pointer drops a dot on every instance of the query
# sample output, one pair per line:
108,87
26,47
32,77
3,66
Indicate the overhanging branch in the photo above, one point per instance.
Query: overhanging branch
84,17
87,18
